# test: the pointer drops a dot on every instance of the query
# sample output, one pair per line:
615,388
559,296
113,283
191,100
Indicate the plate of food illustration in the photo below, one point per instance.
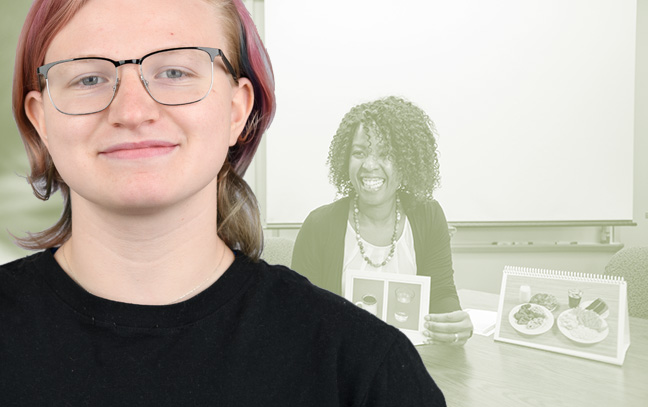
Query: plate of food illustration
548,301
531,319
598,305
583,325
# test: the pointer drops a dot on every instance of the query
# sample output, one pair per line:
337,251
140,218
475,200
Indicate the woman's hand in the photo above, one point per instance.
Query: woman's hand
452,328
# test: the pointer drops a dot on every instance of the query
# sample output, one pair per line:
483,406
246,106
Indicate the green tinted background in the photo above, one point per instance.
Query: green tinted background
20,211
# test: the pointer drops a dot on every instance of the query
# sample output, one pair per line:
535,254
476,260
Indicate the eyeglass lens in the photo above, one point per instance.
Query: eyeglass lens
173,77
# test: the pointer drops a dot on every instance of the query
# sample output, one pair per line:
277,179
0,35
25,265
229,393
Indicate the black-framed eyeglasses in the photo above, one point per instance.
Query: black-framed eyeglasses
172,77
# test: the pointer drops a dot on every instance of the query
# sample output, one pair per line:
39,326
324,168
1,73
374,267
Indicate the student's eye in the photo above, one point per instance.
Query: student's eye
88,81
172,73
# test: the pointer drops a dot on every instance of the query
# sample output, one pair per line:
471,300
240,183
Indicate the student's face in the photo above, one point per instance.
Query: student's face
371,172
196,136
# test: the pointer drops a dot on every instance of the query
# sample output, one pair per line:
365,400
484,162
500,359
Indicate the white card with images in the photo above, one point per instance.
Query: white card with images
401,300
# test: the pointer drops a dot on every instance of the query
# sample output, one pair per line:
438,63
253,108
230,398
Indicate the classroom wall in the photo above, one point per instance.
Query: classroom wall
524,100
638,236
478,263
480,268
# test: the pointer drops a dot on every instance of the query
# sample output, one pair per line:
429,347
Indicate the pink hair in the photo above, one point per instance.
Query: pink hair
44,20
255,65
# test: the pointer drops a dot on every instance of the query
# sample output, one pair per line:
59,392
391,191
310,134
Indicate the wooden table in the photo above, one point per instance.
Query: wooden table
489,373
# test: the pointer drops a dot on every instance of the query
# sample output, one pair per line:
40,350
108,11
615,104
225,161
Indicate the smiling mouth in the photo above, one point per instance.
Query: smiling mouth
372,184
139,150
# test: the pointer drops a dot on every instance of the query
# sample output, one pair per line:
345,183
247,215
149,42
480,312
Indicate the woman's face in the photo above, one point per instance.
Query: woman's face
372,173
113,158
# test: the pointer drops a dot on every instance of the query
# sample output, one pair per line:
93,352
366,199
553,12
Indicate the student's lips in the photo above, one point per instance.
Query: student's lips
142,149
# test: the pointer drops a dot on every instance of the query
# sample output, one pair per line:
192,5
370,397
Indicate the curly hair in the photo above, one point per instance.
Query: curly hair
406,134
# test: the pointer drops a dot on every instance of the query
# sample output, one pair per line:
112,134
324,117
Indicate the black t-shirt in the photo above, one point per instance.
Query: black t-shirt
259,336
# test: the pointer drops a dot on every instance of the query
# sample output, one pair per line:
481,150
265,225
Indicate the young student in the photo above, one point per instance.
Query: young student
148,291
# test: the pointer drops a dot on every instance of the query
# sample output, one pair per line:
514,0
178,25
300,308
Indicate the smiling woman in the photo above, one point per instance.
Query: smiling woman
149,290
383,159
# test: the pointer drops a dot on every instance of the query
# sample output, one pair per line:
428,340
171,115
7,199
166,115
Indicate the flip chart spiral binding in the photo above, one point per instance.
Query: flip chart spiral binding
561,275
535,311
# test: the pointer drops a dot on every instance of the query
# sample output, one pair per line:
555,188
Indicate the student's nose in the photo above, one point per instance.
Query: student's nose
132,105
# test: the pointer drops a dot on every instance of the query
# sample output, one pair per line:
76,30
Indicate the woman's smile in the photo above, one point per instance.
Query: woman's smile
371,184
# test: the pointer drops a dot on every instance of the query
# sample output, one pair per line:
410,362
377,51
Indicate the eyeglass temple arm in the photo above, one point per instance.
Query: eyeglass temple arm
229,67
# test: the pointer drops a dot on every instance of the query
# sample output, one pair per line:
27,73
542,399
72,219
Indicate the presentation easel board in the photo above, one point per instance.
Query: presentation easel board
535,311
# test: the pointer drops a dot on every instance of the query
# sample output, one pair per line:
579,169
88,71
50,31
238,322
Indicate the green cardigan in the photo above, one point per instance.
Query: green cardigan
319,249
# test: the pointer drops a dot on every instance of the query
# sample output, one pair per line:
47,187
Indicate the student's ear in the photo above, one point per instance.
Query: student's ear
36,114
242,102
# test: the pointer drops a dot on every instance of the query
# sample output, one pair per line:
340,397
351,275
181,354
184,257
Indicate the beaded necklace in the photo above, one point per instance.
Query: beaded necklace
392,249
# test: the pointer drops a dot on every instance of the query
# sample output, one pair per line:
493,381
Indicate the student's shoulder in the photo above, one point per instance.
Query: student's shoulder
22,267
369,360
20,277
295,294
283,278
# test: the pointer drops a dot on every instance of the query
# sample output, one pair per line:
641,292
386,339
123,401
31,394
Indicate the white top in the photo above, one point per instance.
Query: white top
403,262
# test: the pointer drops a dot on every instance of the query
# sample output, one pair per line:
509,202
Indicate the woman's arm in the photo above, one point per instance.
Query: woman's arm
434,257
446,323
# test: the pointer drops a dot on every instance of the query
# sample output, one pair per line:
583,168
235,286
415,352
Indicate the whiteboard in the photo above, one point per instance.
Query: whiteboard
533,100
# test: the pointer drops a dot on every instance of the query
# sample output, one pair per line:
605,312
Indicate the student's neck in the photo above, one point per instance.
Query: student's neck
151,259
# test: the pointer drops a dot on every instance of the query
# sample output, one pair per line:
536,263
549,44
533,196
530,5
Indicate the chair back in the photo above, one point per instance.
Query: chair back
632,264
277,250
